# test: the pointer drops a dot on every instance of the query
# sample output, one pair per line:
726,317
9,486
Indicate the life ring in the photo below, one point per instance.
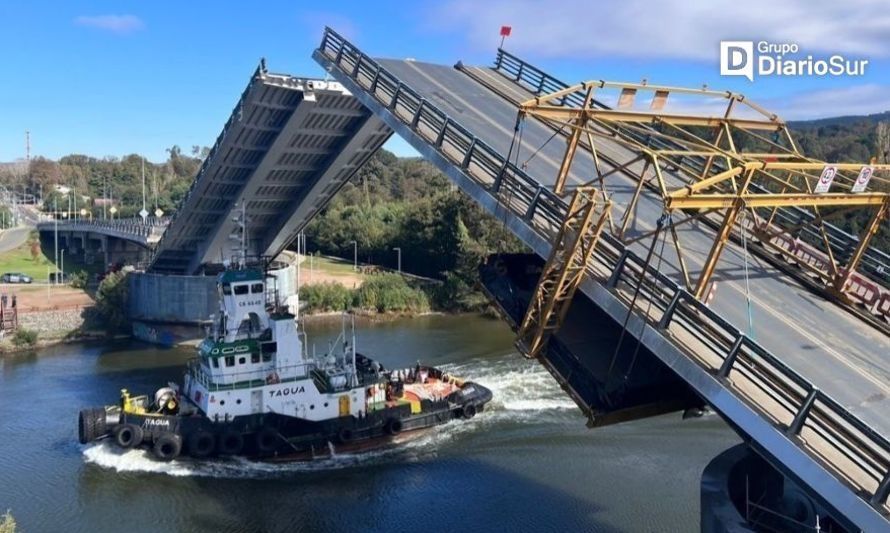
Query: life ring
266,441
230,443
201,444
469,411
393,426
128,435
167,447
273,378
345,435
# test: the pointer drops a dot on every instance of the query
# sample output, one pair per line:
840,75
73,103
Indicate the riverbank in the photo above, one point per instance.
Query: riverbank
49,327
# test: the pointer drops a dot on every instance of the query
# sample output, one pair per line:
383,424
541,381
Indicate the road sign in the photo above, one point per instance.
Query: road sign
159,213
113,210
863,178
828,174
143,214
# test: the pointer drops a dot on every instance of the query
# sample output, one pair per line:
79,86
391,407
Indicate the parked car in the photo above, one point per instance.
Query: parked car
15,277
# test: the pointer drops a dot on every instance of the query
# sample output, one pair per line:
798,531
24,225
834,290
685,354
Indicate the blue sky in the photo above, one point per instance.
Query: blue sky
112,78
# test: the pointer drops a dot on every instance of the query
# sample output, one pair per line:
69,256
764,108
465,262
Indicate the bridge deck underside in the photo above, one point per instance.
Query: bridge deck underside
286,150
840,354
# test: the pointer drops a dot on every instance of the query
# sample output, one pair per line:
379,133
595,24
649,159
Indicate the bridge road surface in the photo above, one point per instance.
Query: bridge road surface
839,353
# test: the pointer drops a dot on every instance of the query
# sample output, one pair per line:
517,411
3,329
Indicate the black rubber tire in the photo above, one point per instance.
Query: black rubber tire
345,435
266,441
393,426
230,443
468,412
128,435
201,444
167,447
91,425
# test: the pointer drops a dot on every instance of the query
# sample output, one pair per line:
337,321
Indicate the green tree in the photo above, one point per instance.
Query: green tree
111,302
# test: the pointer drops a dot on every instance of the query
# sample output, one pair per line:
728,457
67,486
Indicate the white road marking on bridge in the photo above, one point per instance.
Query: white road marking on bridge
828,349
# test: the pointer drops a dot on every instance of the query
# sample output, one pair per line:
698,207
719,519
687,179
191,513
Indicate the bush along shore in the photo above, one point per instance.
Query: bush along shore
387,294
383,293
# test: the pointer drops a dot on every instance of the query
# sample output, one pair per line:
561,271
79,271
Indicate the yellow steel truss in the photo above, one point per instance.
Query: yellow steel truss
740,157
563,272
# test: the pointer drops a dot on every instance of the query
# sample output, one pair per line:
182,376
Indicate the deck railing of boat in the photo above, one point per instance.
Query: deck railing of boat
251,378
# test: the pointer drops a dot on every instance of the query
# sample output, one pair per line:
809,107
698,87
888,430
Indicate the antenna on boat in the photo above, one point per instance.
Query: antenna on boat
240,233
354,369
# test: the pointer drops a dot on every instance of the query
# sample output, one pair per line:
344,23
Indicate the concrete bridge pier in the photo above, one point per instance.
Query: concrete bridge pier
741,491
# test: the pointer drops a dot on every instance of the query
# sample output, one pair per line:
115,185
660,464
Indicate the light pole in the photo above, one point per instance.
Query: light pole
62,267
56,226
399,251
354,256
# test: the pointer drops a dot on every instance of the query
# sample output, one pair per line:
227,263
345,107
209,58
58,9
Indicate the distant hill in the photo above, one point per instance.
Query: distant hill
845,139
840,121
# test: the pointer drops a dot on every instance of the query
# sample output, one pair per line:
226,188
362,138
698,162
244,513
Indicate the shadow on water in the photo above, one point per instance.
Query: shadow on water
442,495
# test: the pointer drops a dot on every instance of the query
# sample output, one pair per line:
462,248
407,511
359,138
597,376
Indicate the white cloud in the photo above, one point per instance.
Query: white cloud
668,28
863,99
120,24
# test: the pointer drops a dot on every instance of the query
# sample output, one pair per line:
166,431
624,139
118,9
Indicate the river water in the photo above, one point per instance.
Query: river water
526,464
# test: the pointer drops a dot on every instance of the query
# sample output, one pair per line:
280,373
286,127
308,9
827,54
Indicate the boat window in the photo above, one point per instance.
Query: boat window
215,361
227,289
267,357
256,288
254,357
269,347
230,360
241,289
242,360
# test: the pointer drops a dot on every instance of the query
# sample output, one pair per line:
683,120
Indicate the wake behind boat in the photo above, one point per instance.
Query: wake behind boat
255,391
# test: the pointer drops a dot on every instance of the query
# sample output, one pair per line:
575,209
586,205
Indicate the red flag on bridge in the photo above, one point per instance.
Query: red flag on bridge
505,31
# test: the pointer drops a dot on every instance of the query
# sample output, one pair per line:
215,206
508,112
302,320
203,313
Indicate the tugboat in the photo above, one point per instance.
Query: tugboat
255,391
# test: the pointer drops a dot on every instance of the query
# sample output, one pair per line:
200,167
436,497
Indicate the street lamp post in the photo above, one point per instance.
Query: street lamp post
354,256
399,251
56,230
62,267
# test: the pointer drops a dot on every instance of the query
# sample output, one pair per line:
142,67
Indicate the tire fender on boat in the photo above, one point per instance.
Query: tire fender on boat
266,440
468,411
230,443
167,447
91,424
201,444
128,435
393,426
345,435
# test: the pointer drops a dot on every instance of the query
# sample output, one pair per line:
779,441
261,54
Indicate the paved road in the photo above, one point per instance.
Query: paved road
11,239
840,354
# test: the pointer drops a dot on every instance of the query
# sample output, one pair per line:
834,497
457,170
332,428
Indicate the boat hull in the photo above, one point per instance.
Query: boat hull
271,436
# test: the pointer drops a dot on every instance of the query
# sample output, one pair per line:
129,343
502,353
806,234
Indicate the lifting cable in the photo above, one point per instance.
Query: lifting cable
658,227
747,283
633,360
535,153
517,132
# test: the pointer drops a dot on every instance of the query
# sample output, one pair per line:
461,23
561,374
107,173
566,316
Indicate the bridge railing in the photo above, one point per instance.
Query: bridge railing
136,227
875,263
817,424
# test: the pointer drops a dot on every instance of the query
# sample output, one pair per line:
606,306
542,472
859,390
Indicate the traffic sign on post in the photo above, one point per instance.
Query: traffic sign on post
828,174
863,178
